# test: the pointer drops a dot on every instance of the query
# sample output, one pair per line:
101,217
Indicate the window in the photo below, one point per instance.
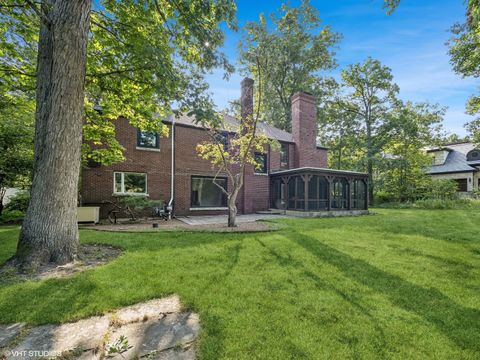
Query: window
462,185
261,160
284,156
206,193
473,155
147,139
222,138
130,183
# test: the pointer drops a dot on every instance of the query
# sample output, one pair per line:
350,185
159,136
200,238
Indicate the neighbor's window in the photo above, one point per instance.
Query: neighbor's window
284,156
261,160
205,193
147,139
130,183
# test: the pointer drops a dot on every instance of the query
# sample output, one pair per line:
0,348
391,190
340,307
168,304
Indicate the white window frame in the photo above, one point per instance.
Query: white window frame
123,183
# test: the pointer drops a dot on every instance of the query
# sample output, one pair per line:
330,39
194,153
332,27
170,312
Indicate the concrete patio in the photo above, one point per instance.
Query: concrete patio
222,219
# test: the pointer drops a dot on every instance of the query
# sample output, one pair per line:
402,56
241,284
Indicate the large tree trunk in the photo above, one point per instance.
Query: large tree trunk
50,231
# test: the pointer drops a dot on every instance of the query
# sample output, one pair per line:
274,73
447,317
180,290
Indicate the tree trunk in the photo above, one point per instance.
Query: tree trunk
50,231
232,208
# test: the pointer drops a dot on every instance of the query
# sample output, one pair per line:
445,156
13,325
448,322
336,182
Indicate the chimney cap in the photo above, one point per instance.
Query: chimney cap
304,95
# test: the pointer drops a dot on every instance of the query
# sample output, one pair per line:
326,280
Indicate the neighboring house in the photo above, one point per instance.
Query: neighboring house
10,192
459,162
293,178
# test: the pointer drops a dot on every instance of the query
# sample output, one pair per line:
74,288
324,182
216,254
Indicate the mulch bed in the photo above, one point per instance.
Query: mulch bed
89,256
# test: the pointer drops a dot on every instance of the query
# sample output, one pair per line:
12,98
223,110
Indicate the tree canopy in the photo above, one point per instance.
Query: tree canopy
293,53
142,57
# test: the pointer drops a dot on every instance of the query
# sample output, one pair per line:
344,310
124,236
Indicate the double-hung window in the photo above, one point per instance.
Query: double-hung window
261,166
147,140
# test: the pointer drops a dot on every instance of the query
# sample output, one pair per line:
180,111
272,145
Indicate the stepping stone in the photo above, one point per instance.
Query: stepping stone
171,335
9,332
149,310
56,339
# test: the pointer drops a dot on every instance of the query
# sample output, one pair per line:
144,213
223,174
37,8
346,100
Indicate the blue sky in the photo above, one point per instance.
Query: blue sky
411,42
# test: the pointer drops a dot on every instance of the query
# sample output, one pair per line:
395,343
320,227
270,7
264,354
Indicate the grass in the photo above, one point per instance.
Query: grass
398,284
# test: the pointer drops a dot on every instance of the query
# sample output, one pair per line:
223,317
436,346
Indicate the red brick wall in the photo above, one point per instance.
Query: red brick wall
97,183
304,131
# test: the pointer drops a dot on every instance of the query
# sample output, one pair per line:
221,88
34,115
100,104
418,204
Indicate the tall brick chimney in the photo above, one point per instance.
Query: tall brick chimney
246,98
304,131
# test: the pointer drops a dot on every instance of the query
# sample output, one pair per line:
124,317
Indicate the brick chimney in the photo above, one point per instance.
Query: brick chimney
246,99
304,131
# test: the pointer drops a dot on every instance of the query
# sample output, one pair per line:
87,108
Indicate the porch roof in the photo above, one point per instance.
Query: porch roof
322,171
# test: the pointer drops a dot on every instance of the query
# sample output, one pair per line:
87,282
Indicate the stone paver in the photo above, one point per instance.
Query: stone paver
156,328
148,310
171,332
221,219
9,332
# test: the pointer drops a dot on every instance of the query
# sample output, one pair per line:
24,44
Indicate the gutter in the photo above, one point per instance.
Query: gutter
172,173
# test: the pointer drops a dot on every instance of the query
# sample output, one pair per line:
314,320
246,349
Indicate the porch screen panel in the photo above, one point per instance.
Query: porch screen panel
277,200
296,193
359,194
340,194
313,193
300,194
322,193
317,193
292,190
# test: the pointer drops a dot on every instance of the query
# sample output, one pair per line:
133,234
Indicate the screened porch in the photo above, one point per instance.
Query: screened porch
318,190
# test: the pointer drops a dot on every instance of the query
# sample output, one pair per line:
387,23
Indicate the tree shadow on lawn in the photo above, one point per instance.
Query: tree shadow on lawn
453,226
458,323
288,261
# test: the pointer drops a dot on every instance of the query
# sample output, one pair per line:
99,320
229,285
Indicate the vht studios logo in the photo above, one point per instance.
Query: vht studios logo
28,354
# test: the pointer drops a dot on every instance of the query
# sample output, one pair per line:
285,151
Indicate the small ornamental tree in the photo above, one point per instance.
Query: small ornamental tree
233,156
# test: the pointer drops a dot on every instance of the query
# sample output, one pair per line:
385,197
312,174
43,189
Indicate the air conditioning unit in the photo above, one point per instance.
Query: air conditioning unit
88,214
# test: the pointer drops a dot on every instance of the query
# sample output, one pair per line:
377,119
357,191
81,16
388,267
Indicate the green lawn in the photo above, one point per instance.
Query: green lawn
399,284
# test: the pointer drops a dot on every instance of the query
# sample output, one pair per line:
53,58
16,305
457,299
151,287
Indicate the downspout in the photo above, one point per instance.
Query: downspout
172,172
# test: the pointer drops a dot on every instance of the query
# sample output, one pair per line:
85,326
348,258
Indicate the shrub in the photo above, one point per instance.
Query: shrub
138,204
442,189
11,216
18,202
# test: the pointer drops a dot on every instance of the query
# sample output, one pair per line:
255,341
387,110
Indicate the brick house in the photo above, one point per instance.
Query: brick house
294,178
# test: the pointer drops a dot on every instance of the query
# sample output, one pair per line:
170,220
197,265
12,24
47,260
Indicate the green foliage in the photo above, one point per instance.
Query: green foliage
435,204
401,172
139,203
289,58
356,117
465,58
119,346
442,189
142,57
11,216
19,201
368,129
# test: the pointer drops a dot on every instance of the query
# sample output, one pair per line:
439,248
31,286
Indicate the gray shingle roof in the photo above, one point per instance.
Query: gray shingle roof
232,124
456,162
